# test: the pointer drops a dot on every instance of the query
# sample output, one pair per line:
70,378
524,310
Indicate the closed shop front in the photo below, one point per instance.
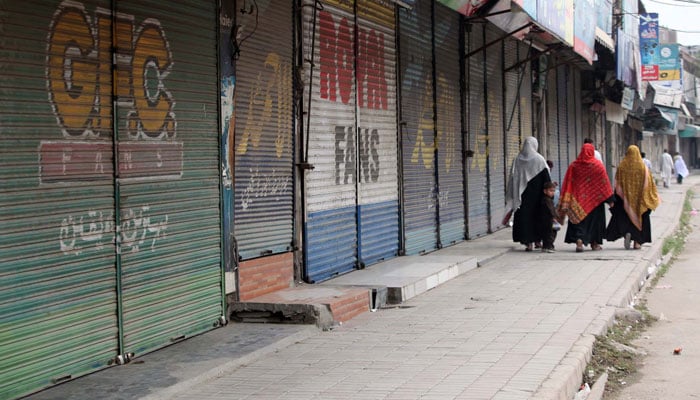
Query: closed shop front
110,187
513,77
418,129
351,195
550,150
525,89
449,127
494,121
264,148
563,123
477,133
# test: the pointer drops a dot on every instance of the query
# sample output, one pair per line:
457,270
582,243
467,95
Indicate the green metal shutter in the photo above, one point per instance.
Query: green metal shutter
58,309
168,186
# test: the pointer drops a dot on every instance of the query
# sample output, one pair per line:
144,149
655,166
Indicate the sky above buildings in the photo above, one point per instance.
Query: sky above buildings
680,15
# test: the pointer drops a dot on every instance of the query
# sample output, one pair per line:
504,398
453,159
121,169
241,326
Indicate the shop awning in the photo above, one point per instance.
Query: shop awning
690,131
604,39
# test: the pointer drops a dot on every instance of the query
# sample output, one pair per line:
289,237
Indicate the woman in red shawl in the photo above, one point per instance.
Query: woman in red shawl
636,196
585,189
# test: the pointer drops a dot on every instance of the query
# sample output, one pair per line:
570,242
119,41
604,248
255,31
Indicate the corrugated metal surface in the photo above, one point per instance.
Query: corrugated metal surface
512,102
331,187
563,119
418,128
263,152
449,126
495,112
169,172
552,145
377,152
526,119
477,169
573,99
57,256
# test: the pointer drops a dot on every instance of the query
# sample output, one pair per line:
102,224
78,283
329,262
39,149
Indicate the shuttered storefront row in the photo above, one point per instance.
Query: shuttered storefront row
449,127
169,185
477,136
352,192
377,137
494,118
264,189
418,129
331,187
526,107
512,116
552,142
96,263
58,292
562,120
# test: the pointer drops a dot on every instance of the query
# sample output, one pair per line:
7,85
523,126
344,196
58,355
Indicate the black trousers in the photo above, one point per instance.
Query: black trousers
548,239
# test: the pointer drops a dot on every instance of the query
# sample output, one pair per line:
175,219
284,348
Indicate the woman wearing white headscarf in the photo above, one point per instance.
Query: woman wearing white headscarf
680,167
524,192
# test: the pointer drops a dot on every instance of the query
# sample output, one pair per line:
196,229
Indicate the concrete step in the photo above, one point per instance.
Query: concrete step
323,306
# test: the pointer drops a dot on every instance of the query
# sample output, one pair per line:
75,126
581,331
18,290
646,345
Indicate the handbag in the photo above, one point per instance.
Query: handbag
507,217
556,226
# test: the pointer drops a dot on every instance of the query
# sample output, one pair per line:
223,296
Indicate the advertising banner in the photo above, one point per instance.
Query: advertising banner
584,29
649,45
557,17
669,63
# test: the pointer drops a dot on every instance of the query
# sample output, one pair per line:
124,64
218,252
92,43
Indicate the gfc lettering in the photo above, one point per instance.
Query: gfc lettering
80,55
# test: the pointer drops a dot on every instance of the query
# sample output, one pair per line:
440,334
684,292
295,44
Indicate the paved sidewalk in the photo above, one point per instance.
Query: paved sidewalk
521,326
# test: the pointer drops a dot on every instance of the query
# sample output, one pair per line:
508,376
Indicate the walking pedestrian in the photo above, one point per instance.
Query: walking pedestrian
647,162
585,190
681,168
524,192
598,156
666,166
548,222
635,197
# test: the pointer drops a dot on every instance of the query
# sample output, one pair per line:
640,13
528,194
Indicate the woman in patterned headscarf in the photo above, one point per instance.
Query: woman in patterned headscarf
636,196
585,189
524,192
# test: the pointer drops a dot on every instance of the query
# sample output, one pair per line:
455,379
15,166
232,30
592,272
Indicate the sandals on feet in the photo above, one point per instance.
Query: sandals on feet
637,246
596,247
579,246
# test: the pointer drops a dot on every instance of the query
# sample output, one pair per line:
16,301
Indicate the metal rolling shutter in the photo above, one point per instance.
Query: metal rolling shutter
378,174
57,277
552,145
477,169
562,120
526,119
168,188
573,96
512,116
496,147
331,225
449,127
418,129
264,189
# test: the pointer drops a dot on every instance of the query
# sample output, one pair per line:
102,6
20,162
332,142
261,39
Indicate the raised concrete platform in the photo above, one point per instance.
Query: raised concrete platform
409,276
342,298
